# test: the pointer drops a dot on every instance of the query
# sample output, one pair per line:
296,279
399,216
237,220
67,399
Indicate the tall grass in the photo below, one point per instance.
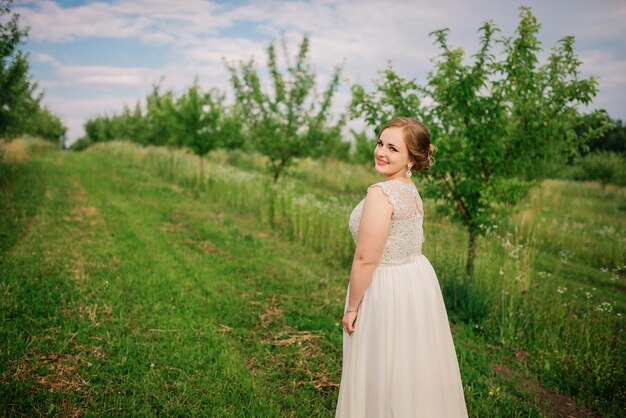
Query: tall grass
548,284
316,222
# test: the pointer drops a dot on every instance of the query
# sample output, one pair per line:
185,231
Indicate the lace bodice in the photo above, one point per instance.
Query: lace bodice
404,242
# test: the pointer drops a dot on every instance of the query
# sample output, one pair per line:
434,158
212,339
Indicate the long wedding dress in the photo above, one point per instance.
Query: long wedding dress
400,361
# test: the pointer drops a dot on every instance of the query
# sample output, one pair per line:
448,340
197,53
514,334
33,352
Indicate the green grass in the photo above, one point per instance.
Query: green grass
131,289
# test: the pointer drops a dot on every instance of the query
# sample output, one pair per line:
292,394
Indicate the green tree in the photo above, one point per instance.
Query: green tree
160,123
101,128
130,124
157,125
292,121
16,88
231,135
363,147
198,116
493,120
20,106
614,140
195,119
45,124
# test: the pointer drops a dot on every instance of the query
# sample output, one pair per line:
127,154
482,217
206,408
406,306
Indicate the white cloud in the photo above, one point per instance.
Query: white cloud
106,75
212,50
608,69
95,74
50,22
46,58
148,20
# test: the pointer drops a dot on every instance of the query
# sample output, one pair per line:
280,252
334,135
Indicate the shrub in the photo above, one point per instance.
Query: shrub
81,144
603,166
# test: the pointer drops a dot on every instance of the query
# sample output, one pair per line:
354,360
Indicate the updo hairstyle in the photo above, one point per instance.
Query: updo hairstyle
417,140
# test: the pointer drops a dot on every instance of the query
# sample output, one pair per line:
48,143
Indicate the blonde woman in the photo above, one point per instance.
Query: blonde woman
398,356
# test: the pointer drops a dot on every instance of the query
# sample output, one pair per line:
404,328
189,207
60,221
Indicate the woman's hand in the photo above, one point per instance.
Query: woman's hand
349,321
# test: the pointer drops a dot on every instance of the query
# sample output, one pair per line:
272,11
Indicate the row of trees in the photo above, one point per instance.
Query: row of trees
21,110
196,119
497,120
283,123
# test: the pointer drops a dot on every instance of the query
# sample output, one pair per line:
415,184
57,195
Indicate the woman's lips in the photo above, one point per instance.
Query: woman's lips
380,162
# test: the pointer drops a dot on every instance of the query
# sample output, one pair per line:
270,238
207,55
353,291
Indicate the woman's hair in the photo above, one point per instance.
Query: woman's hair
417,140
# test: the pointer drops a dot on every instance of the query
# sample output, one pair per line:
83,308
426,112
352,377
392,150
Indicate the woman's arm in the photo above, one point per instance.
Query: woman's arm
373,231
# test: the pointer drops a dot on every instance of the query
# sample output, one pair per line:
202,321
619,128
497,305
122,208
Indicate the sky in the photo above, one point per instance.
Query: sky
93,57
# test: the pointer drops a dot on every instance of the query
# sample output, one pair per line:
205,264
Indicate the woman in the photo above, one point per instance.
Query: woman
398,356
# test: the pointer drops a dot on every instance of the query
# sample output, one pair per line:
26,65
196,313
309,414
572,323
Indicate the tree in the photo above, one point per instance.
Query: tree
16,89
614,140
363,147
20,107
160,124
195,119
291,121
230,128
198,117
45,124
493,121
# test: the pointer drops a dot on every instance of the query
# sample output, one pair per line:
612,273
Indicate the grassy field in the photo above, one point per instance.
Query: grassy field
132,288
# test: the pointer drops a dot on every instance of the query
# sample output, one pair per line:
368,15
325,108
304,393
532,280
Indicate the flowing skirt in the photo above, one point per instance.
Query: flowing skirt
401,361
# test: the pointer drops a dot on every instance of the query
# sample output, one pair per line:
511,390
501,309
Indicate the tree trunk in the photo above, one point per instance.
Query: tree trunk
201,169
471,252
171,163
278,170
272,203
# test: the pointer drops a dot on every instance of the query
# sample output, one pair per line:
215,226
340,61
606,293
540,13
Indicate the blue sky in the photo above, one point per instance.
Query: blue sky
92,57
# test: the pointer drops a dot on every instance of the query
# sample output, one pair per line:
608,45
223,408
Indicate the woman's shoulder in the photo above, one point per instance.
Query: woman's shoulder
390,187
378,200
377,190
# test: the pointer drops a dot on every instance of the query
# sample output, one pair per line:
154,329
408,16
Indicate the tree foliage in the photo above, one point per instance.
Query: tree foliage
195,119
21,111
200,118
291,121
613,141
493,120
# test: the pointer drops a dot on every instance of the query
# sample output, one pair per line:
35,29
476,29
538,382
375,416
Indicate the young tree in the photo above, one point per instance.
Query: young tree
492,120
45,124
292,121
160,124
231,134
198,117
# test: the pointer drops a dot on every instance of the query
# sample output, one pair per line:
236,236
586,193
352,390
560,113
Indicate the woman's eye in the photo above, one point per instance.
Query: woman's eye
380,144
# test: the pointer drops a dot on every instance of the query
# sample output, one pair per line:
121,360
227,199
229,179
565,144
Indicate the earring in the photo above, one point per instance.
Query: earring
409,173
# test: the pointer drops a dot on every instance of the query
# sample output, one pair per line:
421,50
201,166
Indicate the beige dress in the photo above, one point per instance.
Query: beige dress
400,361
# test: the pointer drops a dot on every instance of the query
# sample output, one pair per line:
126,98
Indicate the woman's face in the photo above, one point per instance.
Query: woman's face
391,155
